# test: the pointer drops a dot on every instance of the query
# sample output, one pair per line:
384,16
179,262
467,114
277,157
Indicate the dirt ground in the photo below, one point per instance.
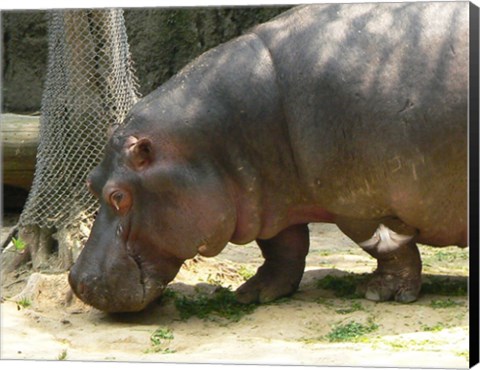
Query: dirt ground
316,326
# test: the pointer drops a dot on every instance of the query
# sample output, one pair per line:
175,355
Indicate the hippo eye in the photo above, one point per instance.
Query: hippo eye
120,201
116,199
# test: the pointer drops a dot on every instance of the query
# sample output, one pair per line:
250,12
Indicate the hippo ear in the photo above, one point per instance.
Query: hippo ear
139,152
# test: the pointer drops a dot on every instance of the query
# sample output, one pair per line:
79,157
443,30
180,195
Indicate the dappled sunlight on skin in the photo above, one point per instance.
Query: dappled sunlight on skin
382,64
351,114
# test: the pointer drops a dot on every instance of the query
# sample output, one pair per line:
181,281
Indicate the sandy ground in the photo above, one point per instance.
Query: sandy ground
432,332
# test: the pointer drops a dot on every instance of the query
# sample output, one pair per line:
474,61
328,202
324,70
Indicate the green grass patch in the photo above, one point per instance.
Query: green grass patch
355,306
62,356
23,303
451,258
445,286
413,345
213,280
245,273
18,244
343,286
444,303
464,354
222,304
160,341
279,301
435,328
325,301
160,335
169,294
324,253
458,255
351,332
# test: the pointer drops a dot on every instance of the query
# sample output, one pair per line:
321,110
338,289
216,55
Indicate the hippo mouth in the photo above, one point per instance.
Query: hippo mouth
124,282
151,287
142,278
143,281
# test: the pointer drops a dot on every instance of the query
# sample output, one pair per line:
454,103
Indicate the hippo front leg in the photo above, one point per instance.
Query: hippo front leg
282,271
399,266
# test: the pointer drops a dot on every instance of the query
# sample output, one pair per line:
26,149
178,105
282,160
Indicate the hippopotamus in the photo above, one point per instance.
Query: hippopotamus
352,114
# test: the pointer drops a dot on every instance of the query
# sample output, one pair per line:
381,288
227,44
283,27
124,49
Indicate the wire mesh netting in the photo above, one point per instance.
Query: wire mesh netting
90,86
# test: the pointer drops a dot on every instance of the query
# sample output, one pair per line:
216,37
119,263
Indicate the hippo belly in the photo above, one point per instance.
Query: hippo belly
380,110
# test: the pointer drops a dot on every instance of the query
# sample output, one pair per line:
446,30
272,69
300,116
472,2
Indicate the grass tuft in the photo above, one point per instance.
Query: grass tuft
62,356
352,331
343,286
19,245
222,304
160,340
435,328
245,273
444,303
23,303
445,286
356,306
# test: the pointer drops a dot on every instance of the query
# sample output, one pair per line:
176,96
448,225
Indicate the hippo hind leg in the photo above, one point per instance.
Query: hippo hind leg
282,271
398,274
392,244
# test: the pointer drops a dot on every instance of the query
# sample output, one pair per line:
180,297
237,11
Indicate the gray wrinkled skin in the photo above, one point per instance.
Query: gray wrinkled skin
354,114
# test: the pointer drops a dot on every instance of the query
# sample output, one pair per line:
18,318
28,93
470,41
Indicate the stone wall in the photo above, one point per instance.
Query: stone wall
24,58
161,41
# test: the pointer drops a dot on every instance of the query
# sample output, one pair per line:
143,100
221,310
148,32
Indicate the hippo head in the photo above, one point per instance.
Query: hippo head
158,207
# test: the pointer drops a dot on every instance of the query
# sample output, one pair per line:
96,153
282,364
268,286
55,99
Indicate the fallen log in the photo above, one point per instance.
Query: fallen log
20,136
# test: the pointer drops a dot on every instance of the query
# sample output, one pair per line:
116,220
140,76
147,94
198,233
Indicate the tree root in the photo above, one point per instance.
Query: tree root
47,249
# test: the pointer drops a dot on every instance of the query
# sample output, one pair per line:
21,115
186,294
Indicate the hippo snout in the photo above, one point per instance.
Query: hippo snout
109,294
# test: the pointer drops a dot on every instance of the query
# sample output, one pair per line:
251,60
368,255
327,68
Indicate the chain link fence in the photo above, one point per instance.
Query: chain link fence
90,86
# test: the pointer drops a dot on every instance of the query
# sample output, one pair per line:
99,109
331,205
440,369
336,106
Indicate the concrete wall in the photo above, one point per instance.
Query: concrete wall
161,41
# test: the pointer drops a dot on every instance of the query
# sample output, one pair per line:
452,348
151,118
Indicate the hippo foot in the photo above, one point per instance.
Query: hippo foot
384,287
280,274
268,284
